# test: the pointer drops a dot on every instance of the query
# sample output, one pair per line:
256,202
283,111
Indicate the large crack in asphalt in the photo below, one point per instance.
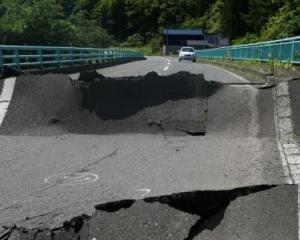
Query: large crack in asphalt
177,102
182,216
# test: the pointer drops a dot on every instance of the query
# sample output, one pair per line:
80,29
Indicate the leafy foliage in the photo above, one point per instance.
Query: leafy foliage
139,23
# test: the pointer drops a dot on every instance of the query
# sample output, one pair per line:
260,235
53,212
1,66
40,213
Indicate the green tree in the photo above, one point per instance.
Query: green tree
12,21
88,33
140,22
285,23
111,15
213,17
44,19
232,23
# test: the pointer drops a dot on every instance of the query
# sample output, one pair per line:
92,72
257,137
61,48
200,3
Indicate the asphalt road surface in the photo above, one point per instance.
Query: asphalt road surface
50,144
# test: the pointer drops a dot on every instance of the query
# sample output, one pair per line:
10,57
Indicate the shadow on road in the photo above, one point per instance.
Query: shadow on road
118,98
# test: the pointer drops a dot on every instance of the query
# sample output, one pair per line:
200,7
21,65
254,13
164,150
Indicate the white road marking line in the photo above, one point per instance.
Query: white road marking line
5,97
72,179
166,68
231,73
144,191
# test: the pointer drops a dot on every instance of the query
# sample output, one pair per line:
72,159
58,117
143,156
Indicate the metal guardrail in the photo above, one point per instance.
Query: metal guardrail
283,50
26,57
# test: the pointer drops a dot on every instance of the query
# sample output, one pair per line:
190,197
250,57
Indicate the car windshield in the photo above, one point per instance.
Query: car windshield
187,50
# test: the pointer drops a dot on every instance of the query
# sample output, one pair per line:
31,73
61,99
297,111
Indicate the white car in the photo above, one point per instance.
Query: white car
187,53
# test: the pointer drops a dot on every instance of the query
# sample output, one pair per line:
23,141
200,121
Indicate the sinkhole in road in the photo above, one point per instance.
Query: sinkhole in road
176,102
256,212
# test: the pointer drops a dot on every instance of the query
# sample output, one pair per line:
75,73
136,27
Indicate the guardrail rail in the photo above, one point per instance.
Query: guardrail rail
27,57
283,50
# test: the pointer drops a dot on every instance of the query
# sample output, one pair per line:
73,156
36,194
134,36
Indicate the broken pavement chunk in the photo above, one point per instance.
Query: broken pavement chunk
177,102
258,212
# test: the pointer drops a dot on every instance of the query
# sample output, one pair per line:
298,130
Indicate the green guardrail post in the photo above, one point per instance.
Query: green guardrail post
1,61
40,57
84,55
89,57
81,57
104,56
33,56
281,49
16,59
293,51
280,52
70,58
57,57
98,56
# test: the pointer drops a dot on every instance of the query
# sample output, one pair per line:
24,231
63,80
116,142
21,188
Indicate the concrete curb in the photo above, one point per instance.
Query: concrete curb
241,69
287,144
285,132
264,78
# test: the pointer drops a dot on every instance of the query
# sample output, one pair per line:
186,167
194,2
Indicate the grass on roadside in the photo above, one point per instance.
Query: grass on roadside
147,50
271,67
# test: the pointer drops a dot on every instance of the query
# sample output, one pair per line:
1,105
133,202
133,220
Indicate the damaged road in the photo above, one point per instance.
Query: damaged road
176,102
260,212
147,104
67,146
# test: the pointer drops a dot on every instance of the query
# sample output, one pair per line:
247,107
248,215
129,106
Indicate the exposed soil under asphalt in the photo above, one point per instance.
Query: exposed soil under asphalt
259,212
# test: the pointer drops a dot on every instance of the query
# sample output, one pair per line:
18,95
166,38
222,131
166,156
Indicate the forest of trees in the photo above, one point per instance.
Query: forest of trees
139,23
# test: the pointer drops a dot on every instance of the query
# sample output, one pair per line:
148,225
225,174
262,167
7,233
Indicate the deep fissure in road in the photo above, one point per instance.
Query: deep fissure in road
150,218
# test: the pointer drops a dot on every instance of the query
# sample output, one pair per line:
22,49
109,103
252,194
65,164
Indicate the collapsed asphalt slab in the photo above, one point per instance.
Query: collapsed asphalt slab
147,104
174,102
258,212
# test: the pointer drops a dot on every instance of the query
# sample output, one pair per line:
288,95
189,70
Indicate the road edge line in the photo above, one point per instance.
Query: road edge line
6,96
230,73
